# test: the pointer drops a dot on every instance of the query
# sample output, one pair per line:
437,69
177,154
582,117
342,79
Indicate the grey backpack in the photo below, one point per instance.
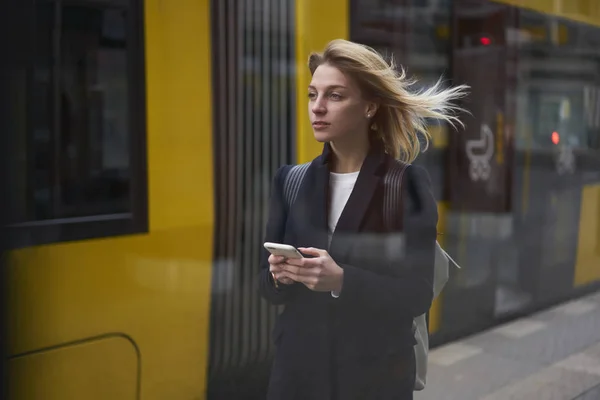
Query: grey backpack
392,191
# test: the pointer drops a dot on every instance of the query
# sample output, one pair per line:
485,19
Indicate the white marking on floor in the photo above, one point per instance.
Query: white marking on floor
564,379
450,354
520,328
581,362
548,383
577,307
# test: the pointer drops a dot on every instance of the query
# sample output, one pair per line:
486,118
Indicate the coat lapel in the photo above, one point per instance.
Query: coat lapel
358,203
314,200
318,203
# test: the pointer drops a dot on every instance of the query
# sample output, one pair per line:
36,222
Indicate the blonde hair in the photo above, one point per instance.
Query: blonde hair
402,114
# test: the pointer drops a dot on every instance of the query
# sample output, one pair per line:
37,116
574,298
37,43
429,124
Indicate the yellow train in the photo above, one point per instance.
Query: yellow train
144,134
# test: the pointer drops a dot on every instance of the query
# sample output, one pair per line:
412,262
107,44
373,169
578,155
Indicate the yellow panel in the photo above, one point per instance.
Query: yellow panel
586,11
317,23
179,112
97,370
587,268
499,138
156,287
435,312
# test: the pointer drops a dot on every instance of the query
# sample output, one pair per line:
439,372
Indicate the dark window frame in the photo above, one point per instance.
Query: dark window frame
57,230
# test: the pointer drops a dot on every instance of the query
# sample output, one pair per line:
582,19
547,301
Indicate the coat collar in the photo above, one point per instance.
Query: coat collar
376,153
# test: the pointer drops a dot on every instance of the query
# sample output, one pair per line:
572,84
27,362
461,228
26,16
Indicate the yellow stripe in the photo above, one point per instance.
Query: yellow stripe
526,173
435,312
439,136
179,112
585,11
317,23
587,266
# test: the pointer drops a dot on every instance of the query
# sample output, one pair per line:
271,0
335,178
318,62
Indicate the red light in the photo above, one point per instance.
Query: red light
486,41
555,137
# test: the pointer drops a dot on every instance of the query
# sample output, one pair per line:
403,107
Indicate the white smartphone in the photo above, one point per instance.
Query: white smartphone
285,250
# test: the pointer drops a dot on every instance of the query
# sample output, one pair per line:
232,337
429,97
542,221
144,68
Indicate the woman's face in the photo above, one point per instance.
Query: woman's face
336,106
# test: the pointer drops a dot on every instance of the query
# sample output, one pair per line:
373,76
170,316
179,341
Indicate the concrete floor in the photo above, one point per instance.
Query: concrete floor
553,355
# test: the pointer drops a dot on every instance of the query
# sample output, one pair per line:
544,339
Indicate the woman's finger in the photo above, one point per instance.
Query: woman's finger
312,262
296,270
275,268
275,259
299,262
312,251
305,262
296,278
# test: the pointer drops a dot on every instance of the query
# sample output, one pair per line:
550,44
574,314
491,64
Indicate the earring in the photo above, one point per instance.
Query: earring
369,115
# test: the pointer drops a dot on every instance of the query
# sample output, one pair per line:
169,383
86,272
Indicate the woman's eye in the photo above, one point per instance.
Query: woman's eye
312,95
336,96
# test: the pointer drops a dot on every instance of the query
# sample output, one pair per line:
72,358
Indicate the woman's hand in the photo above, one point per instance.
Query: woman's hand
320,274
276,270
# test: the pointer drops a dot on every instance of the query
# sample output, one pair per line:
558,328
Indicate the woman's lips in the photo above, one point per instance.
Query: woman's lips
320,125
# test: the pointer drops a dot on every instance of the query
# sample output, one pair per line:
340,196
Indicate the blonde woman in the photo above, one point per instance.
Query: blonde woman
346,331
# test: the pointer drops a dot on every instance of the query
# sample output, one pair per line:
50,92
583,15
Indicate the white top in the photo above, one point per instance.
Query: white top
340,188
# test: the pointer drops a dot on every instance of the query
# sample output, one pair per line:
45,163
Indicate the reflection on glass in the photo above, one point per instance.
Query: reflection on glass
74,153
93,172
559,78
415,32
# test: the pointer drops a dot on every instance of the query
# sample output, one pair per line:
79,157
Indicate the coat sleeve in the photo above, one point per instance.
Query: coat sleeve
410,290
275,231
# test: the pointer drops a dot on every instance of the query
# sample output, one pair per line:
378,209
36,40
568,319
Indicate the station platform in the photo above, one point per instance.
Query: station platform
550,355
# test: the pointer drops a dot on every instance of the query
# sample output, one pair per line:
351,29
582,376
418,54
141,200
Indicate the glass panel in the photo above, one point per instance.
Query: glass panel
41,116
559,78
71,134
29,93
94,130
415,32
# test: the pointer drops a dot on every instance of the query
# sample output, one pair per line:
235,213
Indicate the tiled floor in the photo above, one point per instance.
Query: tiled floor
552,355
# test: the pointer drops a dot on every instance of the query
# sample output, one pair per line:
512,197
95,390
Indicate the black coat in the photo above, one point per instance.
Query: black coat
360,345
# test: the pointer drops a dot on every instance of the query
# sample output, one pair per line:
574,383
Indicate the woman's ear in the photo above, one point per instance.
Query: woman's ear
372,109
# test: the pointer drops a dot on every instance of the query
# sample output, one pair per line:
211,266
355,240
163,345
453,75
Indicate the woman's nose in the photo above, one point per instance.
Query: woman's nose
318,107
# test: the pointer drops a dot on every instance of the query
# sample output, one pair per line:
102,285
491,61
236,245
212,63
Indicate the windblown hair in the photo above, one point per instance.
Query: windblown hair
402,114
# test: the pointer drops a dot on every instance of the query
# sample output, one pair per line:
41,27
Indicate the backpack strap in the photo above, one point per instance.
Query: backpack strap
392,194
292,182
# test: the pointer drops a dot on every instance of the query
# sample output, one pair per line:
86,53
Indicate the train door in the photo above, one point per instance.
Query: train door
478,179
555,156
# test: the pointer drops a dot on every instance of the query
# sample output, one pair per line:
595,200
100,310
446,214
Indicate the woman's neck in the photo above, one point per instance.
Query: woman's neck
348,157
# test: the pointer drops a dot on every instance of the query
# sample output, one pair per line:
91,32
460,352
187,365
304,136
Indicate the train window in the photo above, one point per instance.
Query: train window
77,132
389,26
559,83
